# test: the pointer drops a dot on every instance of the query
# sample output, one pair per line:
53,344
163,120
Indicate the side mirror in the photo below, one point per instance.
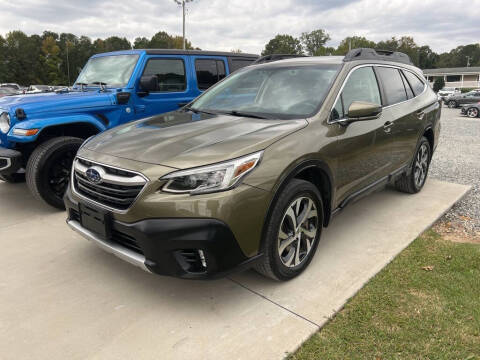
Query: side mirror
149,83
362,110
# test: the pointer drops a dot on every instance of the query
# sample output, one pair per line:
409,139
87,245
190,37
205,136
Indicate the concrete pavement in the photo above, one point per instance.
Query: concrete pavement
62,297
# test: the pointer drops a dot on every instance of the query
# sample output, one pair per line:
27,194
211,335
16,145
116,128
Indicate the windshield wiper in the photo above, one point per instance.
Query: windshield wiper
244,114
81,85
102,84
196,111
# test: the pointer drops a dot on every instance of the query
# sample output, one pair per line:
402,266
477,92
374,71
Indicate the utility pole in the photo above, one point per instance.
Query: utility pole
182,3
468,60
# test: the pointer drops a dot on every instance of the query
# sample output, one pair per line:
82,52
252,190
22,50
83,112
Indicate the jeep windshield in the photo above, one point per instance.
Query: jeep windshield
280,92
114,70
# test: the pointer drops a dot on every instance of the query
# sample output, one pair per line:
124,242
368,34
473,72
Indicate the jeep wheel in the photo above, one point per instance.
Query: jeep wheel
13,178
413,181
472,112
292,232
452,104
48,169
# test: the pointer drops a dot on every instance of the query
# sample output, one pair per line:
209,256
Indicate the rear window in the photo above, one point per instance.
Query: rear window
170,74
209,72
417,85
236,64
392,85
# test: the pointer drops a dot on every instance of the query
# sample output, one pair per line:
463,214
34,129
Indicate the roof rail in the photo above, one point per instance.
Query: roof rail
372,54
275,57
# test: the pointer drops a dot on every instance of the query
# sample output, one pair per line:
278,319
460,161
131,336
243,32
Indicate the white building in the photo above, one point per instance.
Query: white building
462,77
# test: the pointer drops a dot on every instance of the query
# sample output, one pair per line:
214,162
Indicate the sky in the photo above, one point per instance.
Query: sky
249,24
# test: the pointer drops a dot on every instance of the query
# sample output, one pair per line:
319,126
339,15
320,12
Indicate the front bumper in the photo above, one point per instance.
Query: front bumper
10,161
192,248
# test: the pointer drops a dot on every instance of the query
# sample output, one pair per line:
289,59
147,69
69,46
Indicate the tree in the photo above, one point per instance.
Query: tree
283,44
52,61
314,41
439,84
353,42
141,43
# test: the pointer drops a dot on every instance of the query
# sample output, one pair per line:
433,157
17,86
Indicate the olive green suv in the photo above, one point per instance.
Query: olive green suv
249,173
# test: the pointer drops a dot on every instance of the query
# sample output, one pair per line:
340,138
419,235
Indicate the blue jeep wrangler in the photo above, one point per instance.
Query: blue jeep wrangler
40,134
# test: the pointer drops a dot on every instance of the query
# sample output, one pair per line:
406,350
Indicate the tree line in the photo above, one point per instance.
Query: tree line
57,59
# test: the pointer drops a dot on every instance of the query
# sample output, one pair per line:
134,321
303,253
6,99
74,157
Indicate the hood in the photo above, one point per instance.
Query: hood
183,139
43,102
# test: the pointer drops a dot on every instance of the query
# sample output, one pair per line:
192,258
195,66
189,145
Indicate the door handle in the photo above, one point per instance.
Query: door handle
420,115
387,127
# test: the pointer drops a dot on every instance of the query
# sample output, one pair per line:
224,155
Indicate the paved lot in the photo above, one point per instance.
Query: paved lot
457,159
63,298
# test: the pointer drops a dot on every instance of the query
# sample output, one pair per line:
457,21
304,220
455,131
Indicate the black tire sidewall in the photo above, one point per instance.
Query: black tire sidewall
295,189
39,166
476,114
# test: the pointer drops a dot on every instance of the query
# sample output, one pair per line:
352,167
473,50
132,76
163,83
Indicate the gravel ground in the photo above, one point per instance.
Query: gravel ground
457,159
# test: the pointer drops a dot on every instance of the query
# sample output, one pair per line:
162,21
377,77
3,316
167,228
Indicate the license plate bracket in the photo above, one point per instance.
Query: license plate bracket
96,221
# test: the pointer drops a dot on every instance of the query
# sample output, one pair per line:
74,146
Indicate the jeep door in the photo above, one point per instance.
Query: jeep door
361,160
175,87
208,71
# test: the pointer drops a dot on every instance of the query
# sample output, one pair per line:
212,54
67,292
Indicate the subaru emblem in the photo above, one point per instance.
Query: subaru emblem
94,174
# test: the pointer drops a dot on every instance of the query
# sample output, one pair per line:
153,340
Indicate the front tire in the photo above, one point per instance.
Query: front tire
413,181
472,112
452,104
48,169
292,231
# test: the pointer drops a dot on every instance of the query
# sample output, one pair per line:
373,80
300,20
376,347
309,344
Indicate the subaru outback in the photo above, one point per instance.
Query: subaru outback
248,174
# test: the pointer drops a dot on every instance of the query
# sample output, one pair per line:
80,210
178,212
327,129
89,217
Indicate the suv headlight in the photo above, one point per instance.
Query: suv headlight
211,178
4,122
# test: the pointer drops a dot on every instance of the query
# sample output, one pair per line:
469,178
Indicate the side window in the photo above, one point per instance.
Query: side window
170,74
209,71
360,86
337,111
417,85
392,85
236,64
410,94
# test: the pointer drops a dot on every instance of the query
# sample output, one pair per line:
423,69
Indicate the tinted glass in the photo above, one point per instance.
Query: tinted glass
170,74
111,70
209,72
417,85
273,92
410,94
239,63
361,86
392,85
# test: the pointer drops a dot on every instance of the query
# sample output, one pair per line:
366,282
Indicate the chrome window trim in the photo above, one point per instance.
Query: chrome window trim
103,206
329,122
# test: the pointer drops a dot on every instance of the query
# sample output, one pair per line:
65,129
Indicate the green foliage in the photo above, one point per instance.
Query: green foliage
354,42
283,44
438,84
42,59
313,42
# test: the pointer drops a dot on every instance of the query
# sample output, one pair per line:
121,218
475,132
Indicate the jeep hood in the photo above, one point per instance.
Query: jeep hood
182,139
52,102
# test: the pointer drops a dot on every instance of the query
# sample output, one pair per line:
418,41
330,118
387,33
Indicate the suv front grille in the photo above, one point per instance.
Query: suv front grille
117,188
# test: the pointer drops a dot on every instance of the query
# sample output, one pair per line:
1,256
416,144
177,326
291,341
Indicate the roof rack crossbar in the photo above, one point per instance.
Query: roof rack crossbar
373,54
275,57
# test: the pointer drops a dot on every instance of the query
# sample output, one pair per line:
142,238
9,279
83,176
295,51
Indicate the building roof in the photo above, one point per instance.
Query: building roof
457,70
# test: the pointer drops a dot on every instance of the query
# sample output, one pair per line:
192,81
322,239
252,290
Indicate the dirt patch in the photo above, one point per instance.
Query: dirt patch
454,230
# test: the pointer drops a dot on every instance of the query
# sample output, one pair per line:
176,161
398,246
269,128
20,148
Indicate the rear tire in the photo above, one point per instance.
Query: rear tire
413,181
49,167
13,178
472,112
292,231
452,104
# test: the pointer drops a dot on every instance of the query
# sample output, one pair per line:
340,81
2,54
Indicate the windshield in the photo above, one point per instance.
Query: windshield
112,70
283,92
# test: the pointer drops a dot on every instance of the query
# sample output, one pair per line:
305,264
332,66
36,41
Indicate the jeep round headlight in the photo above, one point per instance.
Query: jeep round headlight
4,122
211,178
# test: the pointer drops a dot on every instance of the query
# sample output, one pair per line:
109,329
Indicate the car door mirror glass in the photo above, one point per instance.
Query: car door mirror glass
149,83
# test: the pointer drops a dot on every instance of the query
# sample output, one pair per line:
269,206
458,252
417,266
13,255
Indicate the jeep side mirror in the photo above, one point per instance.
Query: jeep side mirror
149,83
363,110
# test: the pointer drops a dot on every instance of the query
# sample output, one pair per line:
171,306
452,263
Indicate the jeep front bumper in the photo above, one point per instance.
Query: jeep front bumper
10,161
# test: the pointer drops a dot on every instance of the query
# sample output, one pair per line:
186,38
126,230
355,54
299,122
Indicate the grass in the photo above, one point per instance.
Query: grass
423,305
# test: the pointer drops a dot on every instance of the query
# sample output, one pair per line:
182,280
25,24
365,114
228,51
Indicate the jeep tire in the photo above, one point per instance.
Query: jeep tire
49,167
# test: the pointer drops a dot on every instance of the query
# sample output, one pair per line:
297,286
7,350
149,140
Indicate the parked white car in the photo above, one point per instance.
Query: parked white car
34,89
447,91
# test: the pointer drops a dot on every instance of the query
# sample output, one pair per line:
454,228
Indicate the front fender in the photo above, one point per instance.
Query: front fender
50,122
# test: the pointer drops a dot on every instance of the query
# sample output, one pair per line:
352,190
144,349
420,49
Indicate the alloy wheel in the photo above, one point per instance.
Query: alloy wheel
472,112
298,231
452,104
421,165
